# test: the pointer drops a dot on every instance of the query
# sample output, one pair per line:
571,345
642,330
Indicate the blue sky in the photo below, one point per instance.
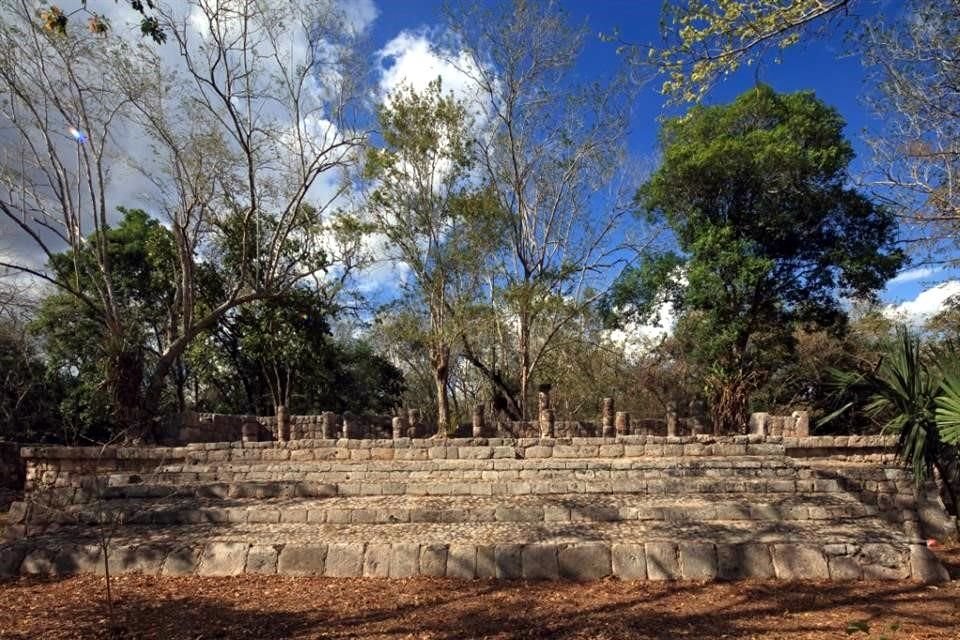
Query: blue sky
824,67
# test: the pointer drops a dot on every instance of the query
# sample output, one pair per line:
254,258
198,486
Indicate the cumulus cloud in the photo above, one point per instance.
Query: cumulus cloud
913,275
636,339
415,59
927,304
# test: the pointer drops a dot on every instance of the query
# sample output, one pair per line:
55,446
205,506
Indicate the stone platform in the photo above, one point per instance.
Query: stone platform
634,507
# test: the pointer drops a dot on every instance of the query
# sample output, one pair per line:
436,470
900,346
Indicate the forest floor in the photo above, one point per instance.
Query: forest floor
279,607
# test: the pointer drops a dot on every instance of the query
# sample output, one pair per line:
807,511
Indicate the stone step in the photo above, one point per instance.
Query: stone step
886,493
578,550
523,508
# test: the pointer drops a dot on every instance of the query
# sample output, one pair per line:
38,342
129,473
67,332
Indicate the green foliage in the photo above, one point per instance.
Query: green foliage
913,394
770,235
707,40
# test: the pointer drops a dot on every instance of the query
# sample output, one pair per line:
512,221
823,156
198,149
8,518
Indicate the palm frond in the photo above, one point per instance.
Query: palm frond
948,409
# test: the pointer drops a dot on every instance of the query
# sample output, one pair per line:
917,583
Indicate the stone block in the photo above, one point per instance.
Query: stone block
404,560
662,561
519,514
844,568
883,562
144,559
77,559
39,561
539,562
507,559
433,560
698,561
182,561
302,560
925,567
799,562
344,560
486,562
376,561
461,561
587,561
628,561
738,561
262,559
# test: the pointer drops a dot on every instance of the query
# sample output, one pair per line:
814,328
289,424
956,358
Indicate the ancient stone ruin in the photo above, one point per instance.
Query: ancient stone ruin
352,496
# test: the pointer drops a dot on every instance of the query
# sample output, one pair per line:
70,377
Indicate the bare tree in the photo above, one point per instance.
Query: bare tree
552,144
234,127
917,71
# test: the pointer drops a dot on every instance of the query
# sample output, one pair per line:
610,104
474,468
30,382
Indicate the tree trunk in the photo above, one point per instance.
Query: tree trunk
440,358
524,352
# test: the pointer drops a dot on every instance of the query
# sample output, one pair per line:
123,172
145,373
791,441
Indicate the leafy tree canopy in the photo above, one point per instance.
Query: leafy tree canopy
769,234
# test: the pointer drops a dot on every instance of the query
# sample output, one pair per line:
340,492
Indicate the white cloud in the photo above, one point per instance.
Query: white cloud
927,303
914,274
637,339
414,59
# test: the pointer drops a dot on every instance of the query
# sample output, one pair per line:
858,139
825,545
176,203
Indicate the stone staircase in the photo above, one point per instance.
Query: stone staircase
634,507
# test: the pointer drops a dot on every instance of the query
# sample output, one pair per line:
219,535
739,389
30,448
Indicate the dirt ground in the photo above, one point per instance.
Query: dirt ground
277,607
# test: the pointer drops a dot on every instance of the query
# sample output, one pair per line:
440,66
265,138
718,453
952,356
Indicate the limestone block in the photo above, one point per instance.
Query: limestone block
223,559
262,559
145,559
925,567
539,562
182,561
883,562
698,561
39,561
433,560
628,561
344,560
519,514
507,559
799,562
77,559
588,561
662,561
302,560
844,568
376,561
404,560
486,562
737,561
461,561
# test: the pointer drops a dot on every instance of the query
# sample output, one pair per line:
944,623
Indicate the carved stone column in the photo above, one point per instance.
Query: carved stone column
622,423
283,424
250,430
608,430
413,423
477,421
671,418
328,425
397,425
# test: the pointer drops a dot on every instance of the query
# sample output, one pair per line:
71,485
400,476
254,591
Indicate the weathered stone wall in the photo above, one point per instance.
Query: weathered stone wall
12,468
796,425
75,469
192,427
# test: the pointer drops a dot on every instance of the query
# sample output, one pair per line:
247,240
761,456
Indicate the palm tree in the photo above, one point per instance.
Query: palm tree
917,397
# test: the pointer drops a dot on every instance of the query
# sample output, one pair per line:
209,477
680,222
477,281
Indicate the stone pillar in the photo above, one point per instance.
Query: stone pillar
622,423
547,421
545,416
413,423
283,424
606,419
250,430
802,424
397,425
477,421
671,418
328,425
758,424
350,429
